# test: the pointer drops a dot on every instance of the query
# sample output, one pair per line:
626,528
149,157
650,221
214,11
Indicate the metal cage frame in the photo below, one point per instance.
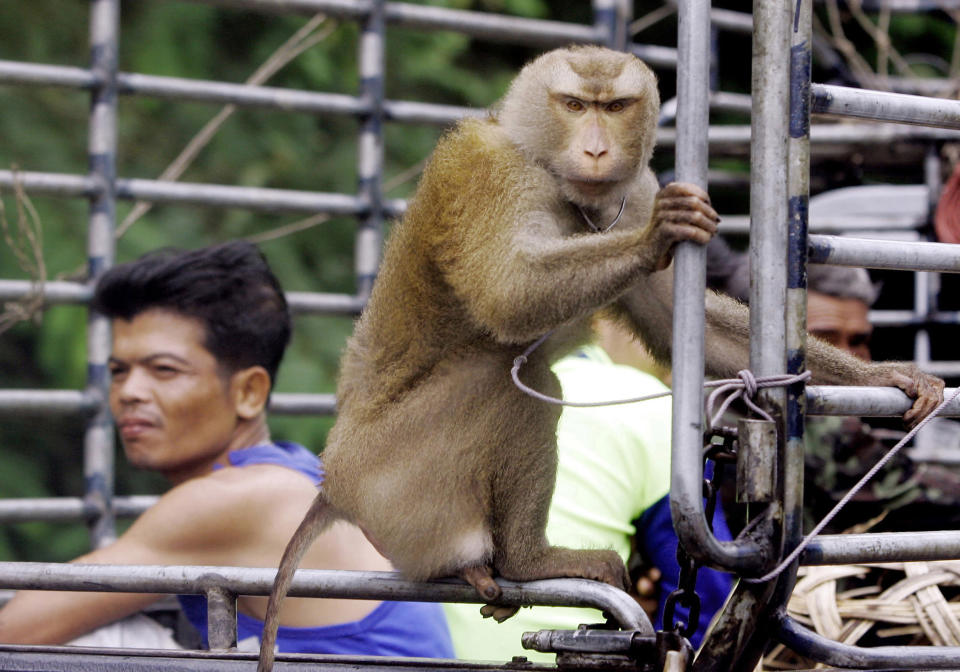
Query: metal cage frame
781,105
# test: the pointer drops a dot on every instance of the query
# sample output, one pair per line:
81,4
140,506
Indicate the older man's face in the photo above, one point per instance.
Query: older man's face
840,322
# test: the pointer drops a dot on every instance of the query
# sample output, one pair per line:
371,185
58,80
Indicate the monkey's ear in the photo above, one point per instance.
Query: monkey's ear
249,390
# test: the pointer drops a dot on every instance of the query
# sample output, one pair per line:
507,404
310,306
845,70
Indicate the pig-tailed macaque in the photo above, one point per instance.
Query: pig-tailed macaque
447,466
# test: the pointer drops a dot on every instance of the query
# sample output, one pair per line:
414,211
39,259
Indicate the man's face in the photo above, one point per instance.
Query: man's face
171,405
841,322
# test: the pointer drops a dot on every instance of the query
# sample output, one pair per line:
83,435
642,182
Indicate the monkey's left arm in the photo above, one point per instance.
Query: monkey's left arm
648,308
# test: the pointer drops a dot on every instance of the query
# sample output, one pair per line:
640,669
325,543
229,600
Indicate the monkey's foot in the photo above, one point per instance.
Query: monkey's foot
481,578
498,612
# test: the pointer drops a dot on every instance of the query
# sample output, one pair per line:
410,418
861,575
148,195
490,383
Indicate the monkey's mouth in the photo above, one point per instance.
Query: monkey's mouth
591,187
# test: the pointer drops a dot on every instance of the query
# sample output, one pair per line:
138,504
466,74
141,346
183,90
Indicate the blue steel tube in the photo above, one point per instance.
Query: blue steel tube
688,305
370,149
101,146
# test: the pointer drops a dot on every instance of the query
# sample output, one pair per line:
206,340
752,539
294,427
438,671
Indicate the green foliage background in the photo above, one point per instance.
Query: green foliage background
45,128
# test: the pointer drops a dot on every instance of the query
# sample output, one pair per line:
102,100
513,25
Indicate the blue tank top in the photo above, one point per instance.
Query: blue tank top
415,629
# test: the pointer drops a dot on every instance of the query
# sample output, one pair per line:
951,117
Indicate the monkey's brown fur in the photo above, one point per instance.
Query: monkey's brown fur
447,466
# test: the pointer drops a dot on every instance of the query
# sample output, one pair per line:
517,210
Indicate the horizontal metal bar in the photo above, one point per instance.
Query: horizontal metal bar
489,26
655,55
911,6
904,318
52,184
737,137
816,647
292,100
73,402
22,658
901,108
317,583
890,254
740,224
68,509
727,19
251,198
821,400
866,401
844,549
428,113
16,72
47,401
54,291
312,303
302,404
160,191
484,25
246,95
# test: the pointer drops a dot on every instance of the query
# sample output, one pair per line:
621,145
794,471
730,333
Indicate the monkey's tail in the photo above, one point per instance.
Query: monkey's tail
316,520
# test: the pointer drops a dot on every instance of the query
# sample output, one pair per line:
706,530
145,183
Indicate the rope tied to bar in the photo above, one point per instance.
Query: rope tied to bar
745,386
787,561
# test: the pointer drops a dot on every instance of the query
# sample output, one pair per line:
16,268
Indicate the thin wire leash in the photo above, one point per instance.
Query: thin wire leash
745,387
776,571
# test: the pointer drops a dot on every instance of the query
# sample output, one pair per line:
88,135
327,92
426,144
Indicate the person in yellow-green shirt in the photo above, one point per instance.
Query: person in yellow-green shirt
612,489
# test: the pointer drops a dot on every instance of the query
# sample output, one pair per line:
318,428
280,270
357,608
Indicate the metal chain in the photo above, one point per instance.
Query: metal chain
686,593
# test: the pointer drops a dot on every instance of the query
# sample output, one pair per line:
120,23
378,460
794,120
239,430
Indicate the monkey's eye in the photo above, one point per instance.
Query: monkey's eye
575,105
616,106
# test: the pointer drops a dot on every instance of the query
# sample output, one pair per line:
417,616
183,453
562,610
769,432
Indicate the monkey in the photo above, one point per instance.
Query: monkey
528,221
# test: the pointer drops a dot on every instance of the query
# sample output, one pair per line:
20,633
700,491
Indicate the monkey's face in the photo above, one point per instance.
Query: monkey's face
589,116
172,406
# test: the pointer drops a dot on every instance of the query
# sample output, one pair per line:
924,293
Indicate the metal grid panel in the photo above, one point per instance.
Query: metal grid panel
101,187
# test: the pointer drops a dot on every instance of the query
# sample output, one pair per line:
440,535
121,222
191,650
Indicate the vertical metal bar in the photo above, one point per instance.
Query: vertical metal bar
611,18
221,619
102,146
737,637
689,271
370,148
926,285
801,55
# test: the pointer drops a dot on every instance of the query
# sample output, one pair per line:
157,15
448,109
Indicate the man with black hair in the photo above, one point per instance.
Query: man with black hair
197,340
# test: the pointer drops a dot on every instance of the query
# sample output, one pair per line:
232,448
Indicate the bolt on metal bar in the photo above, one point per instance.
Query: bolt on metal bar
98,467
317,583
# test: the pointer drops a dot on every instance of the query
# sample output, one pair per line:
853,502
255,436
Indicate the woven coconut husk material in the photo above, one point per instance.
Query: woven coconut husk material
916,603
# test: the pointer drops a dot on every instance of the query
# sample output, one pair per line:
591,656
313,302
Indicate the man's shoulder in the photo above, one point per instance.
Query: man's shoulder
247,492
